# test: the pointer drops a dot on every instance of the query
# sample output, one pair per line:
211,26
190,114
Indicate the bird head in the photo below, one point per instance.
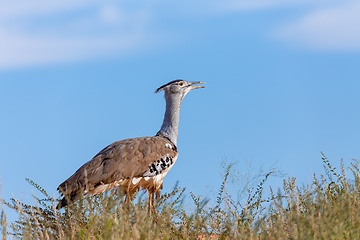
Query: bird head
179,87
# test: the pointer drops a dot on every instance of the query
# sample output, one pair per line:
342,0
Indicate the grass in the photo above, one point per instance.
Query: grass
327,208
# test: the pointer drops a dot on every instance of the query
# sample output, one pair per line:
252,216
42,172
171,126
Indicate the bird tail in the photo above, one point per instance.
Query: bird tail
62,203
68,199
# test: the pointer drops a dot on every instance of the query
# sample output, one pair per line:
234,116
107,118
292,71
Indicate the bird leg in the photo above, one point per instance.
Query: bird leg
157,195
151,208
158,192
128,199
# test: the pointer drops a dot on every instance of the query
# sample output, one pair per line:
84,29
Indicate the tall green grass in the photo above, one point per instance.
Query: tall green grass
327,208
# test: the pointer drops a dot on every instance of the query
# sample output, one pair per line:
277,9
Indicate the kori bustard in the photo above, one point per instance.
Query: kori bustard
135,163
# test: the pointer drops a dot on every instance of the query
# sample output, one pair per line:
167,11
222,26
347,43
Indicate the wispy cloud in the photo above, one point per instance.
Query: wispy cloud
226,6
22,8
26,50
331,28
41,32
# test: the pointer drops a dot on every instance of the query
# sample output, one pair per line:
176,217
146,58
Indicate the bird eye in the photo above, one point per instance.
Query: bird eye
181,84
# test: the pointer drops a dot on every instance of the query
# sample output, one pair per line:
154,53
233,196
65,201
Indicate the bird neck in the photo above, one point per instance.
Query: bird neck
170,124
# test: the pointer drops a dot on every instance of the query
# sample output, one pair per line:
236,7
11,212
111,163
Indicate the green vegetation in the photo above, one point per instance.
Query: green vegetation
325,209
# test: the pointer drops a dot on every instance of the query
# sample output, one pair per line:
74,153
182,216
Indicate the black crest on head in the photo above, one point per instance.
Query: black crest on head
169,83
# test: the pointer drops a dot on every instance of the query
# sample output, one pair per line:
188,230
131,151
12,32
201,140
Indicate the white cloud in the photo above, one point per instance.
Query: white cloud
236,5
40,50
332,28
226,6
42,32
111,14
325,24
22,8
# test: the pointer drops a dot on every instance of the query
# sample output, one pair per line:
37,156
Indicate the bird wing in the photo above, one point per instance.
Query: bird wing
135,157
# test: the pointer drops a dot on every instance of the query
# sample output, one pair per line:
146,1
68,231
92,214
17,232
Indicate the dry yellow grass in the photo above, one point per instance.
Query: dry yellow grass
325,209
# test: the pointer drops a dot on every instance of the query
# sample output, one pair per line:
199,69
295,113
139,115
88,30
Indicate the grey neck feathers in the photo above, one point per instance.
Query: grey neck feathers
170,124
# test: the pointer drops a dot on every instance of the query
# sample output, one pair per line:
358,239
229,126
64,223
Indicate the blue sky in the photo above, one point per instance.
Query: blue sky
283,84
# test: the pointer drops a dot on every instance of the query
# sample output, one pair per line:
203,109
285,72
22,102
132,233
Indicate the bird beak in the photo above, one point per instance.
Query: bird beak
196,87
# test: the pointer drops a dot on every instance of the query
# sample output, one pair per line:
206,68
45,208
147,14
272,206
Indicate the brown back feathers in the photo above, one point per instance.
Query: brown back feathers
126,159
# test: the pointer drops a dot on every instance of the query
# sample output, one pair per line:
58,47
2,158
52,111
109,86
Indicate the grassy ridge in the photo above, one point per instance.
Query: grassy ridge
325,209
